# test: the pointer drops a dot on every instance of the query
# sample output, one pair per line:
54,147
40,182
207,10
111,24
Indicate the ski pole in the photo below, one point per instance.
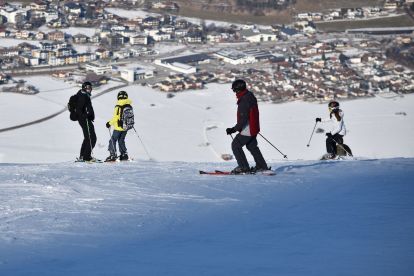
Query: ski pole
112,141
341,146
284,155
143,145
89,134
312,134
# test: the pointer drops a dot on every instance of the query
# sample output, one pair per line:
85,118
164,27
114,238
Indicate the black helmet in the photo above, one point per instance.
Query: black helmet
122,95
86,84
333,105
238,86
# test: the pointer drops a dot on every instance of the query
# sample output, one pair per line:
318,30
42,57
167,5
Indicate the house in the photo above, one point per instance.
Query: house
56,35
102,53
193,37
80,38
161,36
30,61
96,80
115,40
180,32
39,5
255,35
86,57
151,22
133,74
98,67
9,52
3,78
73,8
138,40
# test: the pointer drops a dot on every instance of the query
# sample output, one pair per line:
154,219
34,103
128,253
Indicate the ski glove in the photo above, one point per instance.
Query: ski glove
108,125
318,120
230,130
329,135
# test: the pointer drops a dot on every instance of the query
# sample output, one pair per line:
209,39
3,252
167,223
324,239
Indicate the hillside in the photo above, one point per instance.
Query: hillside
151,218
260,12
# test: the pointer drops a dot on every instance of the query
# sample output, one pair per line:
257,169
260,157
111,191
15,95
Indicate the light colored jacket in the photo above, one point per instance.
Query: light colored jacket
337,119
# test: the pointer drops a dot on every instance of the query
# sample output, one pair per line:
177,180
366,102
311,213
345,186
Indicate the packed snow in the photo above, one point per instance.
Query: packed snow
156,215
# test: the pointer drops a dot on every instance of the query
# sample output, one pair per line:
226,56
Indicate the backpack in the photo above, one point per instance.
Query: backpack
126,120
72,107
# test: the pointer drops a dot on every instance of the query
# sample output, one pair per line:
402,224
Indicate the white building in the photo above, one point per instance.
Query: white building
177,66
133,74
255,36
98,67
234,57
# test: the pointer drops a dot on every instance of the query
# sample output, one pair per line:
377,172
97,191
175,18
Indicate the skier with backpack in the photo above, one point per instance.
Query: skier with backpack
248,127
81,110
122,121
336,116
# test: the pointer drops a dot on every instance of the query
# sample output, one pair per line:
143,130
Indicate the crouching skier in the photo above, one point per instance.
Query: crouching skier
248,127
336,116
122,121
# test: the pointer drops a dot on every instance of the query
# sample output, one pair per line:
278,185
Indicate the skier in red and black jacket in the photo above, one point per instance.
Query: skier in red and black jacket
248,126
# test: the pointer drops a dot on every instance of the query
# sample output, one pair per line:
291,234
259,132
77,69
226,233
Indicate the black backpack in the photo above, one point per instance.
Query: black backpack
72,107
127,117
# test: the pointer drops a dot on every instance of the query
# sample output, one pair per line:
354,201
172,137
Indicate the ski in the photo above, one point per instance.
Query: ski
77,160
218,172
120,161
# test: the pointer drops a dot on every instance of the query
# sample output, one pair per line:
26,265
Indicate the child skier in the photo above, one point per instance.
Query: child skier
336,116
121,121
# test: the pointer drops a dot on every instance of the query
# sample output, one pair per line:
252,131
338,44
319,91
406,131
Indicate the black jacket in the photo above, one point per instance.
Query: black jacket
84,109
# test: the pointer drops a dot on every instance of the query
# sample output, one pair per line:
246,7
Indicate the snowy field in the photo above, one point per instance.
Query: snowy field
161,217
191,126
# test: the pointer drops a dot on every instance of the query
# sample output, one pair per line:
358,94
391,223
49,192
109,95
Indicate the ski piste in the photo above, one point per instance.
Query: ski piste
218,172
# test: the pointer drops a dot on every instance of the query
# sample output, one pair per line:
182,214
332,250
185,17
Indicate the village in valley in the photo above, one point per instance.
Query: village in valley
99,41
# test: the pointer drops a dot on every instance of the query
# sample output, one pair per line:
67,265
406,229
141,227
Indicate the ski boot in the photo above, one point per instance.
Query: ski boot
240,170
124,157
111,158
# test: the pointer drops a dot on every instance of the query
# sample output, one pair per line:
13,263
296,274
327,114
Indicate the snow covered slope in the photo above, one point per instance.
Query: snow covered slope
161,218
191,126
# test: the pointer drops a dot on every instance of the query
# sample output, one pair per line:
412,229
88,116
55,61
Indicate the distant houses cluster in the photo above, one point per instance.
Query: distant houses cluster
281,63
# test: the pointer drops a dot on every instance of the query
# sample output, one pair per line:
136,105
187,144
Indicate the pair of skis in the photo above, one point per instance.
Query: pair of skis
101,161
217,172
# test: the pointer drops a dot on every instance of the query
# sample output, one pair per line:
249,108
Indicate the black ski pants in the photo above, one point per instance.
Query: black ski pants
331,143
89,139
251,144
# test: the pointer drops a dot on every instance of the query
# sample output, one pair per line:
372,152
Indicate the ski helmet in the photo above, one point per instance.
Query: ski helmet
333,105
238,86
122,95
87,86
